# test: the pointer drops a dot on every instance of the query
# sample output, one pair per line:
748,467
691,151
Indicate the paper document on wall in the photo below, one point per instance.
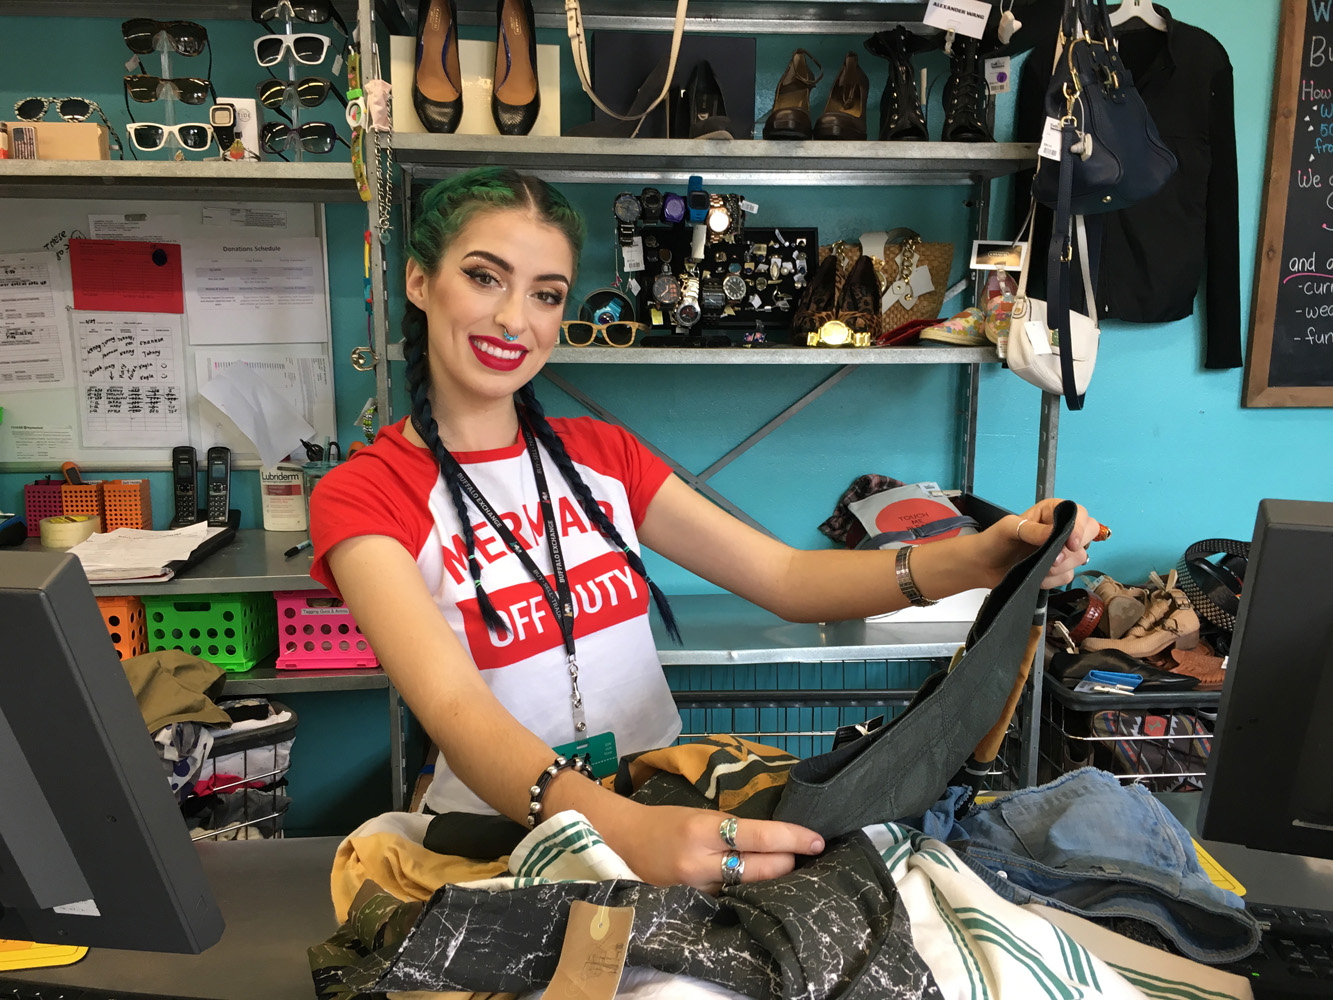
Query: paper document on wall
34,350
144,226
259,412
256,288
138,554
131,379
300,373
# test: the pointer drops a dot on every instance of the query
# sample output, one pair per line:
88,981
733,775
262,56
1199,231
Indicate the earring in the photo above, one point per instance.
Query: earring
509,337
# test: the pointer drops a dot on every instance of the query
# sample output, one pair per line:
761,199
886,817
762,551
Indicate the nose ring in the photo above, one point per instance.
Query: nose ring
509,337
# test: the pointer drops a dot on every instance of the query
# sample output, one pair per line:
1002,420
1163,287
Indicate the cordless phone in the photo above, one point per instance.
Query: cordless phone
219,483
184,475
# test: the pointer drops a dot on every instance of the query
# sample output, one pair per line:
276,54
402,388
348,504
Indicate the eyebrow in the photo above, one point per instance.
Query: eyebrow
508,268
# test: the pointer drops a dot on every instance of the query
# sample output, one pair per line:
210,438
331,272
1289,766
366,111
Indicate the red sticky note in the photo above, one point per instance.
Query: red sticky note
126,275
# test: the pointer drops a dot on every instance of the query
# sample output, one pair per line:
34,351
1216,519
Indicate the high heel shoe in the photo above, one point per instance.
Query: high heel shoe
844,114
516,97
790,117
700,112
437,87
965,95
900,115
858,302
818,302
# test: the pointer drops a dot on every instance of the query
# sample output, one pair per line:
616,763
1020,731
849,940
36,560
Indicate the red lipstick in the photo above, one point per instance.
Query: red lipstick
483,348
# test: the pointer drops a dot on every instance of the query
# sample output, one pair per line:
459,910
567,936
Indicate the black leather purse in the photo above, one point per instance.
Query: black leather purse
1092,90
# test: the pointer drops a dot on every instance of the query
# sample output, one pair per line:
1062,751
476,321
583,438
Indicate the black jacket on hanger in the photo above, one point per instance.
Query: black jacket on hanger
1154,254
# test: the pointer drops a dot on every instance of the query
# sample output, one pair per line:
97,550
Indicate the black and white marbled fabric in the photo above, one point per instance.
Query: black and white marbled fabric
833,928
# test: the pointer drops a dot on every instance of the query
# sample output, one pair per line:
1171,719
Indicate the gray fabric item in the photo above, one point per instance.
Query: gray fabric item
902,769
833,928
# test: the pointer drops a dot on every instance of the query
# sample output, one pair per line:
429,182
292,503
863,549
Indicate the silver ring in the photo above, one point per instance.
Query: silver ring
733,867
1018,530
728,831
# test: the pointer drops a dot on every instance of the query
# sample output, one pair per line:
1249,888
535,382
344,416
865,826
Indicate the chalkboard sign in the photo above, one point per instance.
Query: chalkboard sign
1290,356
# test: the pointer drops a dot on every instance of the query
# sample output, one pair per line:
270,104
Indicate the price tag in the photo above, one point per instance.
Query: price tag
1050,140
748,207
633,255
966,17
592,957
633,286
1038,336
921,281
997,75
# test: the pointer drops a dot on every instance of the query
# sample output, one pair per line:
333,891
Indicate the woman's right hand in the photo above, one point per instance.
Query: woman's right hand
678,845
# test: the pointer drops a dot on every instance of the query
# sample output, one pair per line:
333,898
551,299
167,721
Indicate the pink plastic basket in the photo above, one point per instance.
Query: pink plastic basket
42,499
317,632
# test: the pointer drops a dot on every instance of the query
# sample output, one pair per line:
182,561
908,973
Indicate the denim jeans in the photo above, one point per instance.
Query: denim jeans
1089,845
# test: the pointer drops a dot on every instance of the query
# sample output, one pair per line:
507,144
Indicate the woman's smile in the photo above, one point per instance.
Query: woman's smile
497,354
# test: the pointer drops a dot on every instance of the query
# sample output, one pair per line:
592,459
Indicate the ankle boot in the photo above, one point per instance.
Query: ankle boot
437,85
516,97
900,114
790,117
965,94
844,114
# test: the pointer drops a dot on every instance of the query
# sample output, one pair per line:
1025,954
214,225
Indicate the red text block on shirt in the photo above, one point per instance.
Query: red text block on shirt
605,592
126,275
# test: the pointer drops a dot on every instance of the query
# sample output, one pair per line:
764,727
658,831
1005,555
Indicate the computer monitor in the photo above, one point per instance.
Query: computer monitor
93,849
1268,785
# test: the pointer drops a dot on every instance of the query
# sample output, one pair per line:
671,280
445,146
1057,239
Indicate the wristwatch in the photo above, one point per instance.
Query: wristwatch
711,296
733,287
650,200
666,289
673,207
688,312
697,199
718,218
627,211
836,333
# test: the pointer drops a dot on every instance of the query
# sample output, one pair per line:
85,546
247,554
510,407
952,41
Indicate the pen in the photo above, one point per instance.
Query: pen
298,547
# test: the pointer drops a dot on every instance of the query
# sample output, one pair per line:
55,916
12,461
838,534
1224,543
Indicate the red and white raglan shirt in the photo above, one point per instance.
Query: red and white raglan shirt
394,488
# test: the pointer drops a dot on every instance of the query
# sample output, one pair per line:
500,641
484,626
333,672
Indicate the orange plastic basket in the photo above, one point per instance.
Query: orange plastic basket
124,617
128,503
85,499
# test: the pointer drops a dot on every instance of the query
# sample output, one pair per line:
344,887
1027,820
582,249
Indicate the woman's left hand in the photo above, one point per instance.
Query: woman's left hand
1013,537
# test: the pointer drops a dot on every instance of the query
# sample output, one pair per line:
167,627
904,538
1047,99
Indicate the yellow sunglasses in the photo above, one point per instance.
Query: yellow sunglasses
618,333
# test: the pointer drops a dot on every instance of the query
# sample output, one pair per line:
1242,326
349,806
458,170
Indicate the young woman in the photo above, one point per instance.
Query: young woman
436,537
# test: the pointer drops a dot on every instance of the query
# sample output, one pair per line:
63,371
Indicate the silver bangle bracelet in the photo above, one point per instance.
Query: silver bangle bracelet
902,568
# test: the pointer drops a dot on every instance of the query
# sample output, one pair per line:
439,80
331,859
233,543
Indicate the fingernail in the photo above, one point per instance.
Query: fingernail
816,846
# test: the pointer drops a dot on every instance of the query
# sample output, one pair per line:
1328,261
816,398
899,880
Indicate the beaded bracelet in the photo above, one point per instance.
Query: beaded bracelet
583,765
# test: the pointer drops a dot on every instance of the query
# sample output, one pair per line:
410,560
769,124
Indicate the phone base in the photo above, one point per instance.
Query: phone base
233,519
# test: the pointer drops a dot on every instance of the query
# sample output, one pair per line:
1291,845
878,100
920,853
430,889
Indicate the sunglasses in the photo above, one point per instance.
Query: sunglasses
150,137
314,137
309,92
189,89
184,37
619,333
313,11
70,109
306,48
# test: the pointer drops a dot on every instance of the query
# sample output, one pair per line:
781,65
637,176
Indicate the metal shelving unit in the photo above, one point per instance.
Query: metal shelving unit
189,180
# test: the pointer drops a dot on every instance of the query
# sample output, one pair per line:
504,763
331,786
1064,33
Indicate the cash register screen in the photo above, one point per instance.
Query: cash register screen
1268,785
93,849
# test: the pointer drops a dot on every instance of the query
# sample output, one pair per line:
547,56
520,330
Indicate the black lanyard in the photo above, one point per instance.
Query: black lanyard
559,599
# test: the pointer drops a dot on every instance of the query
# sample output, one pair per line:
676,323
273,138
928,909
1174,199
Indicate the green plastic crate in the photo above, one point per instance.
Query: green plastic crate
232,631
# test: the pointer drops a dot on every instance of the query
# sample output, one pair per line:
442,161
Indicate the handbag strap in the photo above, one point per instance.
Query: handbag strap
1057,268
579,45
900,235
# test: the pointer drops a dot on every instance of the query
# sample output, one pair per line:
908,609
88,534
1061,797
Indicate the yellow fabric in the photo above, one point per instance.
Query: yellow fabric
171,685
698,762
406,870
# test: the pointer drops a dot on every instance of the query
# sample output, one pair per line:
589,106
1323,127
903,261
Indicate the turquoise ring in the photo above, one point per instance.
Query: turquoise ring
733,867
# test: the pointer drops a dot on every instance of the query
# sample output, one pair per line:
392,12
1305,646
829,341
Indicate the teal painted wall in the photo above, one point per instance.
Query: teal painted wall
1163,451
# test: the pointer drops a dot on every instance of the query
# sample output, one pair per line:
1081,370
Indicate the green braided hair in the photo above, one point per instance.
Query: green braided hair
445,209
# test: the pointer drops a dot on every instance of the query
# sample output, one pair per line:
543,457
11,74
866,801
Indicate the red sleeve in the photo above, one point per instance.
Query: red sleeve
368,495
614,451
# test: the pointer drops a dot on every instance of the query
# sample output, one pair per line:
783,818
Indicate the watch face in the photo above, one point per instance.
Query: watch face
835,333
718,220
650,199
666,289
698,201
673,207
627,208
711,296
687,313
733,286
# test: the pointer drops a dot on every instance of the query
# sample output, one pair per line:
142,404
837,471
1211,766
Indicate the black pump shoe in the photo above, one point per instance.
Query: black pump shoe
900,115
437,85
701,112
516,97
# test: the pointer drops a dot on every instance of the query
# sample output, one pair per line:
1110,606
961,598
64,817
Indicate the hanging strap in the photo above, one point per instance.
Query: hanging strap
1057,266
579,45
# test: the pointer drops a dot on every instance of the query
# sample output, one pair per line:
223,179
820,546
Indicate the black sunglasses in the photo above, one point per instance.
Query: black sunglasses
189,89
310,92
185,37
70,109
312,11
315,137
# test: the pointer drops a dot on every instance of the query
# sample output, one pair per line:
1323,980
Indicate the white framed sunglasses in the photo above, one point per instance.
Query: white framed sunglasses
151,137
307,48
